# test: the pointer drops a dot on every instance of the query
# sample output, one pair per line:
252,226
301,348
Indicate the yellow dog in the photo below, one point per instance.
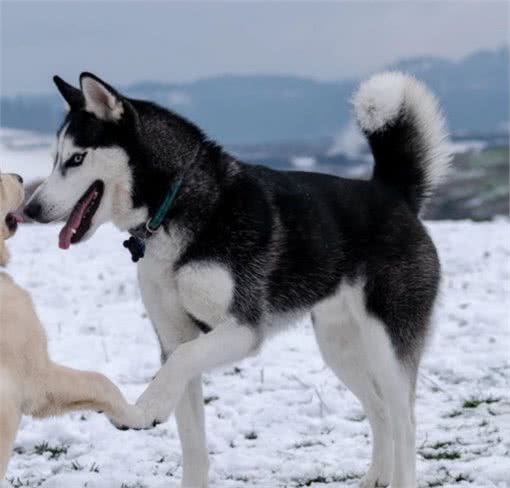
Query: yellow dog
30,383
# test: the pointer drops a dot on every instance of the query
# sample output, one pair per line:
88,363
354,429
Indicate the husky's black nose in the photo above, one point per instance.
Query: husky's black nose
33,210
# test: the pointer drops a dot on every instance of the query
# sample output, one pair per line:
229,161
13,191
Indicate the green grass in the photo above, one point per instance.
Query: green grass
441,445
454,413
326,480
54,451
435,456
476,402
493,156
210,399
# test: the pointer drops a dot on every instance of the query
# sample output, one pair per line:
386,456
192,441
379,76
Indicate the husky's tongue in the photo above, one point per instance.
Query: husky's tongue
74,220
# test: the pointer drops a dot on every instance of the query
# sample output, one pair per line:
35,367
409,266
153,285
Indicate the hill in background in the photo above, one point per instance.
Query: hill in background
474,93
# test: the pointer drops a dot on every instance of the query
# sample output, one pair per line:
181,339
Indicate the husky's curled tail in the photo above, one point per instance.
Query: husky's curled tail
407,134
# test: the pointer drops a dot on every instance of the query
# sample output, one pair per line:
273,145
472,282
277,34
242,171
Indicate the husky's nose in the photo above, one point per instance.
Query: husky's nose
18,177
33,210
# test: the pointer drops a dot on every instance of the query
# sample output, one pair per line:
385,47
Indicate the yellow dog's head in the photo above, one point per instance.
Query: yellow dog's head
12,195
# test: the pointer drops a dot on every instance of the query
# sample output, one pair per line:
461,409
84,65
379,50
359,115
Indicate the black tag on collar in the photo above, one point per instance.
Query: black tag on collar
136,247
136,243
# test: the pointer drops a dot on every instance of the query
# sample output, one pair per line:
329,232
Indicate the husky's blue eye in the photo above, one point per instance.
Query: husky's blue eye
76,159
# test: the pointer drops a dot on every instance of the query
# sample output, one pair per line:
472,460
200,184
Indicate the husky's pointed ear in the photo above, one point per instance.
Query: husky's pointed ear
100,98
72,95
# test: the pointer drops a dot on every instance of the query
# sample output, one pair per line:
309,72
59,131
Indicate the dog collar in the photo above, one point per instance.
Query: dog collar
136,243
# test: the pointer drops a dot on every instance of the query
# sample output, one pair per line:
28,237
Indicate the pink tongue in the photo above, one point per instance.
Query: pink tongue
18,218
74,221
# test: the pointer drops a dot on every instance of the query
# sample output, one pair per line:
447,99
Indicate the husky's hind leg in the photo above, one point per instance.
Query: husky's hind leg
342,348
396,380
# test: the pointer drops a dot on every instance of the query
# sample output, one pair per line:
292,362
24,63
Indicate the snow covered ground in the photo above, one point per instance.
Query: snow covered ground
25,153
279,419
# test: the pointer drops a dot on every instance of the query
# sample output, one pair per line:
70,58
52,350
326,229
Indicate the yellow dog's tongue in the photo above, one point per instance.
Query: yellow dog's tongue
74,221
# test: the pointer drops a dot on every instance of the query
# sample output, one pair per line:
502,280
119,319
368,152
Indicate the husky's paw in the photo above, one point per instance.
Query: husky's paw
131,417
375,480
156,407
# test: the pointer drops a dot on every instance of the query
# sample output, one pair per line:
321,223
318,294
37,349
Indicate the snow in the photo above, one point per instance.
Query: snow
303,162
280,419
25,153
465,146
349,141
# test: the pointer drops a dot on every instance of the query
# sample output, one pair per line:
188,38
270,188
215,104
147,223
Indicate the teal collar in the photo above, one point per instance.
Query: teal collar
154,223
136,243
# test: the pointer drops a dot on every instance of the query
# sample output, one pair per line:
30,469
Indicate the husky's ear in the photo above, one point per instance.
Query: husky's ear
100,98
72,95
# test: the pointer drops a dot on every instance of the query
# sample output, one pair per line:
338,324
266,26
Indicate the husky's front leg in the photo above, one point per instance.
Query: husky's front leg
191,425
228,342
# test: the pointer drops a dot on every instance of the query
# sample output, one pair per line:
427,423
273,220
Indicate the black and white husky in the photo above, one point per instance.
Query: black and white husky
245,250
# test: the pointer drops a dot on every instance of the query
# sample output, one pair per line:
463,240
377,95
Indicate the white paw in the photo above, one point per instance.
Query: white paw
374,479
155,411
131,417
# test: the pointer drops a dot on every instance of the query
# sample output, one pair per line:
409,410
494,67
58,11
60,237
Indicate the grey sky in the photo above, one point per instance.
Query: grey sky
170,41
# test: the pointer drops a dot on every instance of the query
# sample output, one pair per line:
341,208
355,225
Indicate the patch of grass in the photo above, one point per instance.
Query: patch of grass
54,451
357,418
18,483
448,455
454,413
76,466
449,478
476,402
440,445
251,436
234,372
242,479
326,480
210,399
136,485
461,477
301,445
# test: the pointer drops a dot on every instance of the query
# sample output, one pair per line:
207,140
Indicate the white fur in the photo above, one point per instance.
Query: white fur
357,348
173,328
59,150
178,383
60,192
206,291
386,96
100,101
228,342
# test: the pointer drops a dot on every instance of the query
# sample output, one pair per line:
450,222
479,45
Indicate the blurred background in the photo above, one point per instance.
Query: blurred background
271,81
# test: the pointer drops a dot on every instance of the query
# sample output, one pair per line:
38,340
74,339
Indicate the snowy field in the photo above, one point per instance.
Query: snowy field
280,419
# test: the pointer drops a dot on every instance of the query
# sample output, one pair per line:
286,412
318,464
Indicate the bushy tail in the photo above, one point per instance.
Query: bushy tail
407,134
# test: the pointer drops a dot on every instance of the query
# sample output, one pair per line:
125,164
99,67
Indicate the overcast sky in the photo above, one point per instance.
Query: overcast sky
126,41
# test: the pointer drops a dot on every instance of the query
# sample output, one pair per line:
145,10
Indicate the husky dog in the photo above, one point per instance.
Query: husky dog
245,250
